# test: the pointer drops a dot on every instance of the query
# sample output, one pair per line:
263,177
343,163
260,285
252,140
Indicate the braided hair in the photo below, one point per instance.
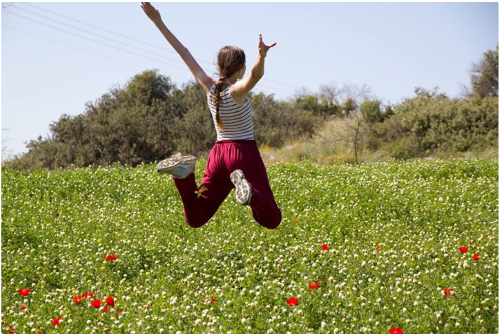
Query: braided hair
230,60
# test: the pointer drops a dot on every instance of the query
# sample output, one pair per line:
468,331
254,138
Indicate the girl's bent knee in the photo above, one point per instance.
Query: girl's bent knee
196,223
275,222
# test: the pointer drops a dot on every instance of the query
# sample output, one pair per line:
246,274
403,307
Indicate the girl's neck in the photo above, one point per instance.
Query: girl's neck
232,79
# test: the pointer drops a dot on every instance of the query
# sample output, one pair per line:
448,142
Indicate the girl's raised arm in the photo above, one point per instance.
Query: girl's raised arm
242,87
203,79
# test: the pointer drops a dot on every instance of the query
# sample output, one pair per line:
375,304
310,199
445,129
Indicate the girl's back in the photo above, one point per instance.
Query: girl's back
236,118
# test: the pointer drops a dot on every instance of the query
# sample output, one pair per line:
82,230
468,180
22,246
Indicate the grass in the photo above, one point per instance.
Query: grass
393,232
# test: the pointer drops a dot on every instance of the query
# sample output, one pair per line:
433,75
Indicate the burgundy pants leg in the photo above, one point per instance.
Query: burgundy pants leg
245,155
215,186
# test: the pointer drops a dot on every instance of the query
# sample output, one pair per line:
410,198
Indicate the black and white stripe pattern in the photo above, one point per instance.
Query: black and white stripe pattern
237,119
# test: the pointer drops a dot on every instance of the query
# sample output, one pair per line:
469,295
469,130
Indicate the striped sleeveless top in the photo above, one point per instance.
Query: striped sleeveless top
237,119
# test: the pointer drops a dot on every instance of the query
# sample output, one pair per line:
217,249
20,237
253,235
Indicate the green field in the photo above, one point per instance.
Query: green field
393,232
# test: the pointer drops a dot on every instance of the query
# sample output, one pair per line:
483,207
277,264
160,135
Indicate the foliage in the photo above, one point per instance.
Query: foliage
346,97
484,75
278,122
371,111
428,125
149,119
194,132
317,104
433,124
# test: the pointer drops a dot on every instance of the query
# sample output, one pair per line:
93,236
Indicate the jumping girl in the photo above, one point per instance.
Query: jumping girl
234,161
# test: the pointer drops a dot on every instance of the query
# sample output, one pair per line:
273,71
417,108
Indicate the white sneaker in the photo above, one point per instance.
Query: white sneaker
180,166
243,189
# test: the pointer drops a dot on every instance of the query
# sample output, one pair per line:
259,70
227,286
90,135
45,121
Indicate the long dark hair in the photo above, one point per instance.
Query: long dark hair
230,60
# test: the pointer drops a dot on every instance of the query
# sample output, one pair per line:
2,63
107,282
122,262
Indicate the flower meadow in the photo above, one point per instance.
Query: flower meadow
393,247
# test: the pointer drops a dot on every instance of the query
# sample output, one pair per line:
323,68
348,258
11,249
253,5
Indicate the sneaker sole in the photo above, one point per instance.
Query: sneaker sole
166,165
243,190
169,164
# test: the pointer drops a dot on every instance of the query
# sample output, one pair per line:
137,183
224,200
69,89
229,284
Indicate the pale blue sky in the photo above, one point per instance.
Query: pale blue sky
391,47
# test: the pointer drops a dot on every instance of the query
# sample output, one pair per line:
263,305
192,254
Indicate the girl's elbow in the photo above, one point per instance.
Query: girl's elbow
183,52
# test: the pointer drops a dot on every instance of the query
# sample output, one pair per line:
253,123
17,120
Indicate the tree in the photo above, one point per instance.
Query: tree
314,102
371,111
346,97
194,130
427,94
388,112
278,122
358,132
484,75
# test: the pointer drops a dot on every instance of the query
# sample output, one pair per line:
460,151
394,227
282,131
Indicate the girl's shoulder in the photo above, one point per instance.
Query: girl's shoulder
224,90
224,93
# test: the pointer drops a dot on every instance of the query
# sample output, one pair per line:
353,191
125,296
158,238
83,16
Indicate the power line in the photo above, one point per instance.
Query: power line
77,47
100,28
92,33
92,40
139,41
111,46
6,4
73,46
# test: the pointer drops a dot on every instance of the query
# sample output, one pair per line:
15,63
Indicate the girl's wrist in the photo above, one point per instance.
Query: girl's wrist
158,22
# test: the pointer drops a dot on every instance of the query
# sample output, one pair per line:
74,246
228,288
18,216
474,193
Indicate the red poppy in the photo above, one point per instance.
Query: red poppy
463,249
377,248
11,330
77,299
117,314
211,299
292,301
106,310
110,301
396,330
315,286
56,322
88,295
325,247
447,292
24,307
443,266
96,303
476,256
24,292
111,257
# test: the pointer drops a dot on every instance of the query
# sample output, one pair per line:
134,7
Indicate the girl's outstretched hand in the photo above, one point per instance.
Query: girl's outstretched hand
263,47
151,12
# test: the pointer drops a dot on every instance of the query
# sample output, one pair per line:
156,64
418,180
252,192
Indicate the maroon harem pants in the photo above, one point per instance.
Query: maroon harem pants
225,157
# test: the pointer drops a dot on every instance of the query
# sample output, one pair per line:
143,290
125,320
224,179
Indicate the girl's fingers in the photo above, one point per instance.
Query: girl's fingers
147,5
267,46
